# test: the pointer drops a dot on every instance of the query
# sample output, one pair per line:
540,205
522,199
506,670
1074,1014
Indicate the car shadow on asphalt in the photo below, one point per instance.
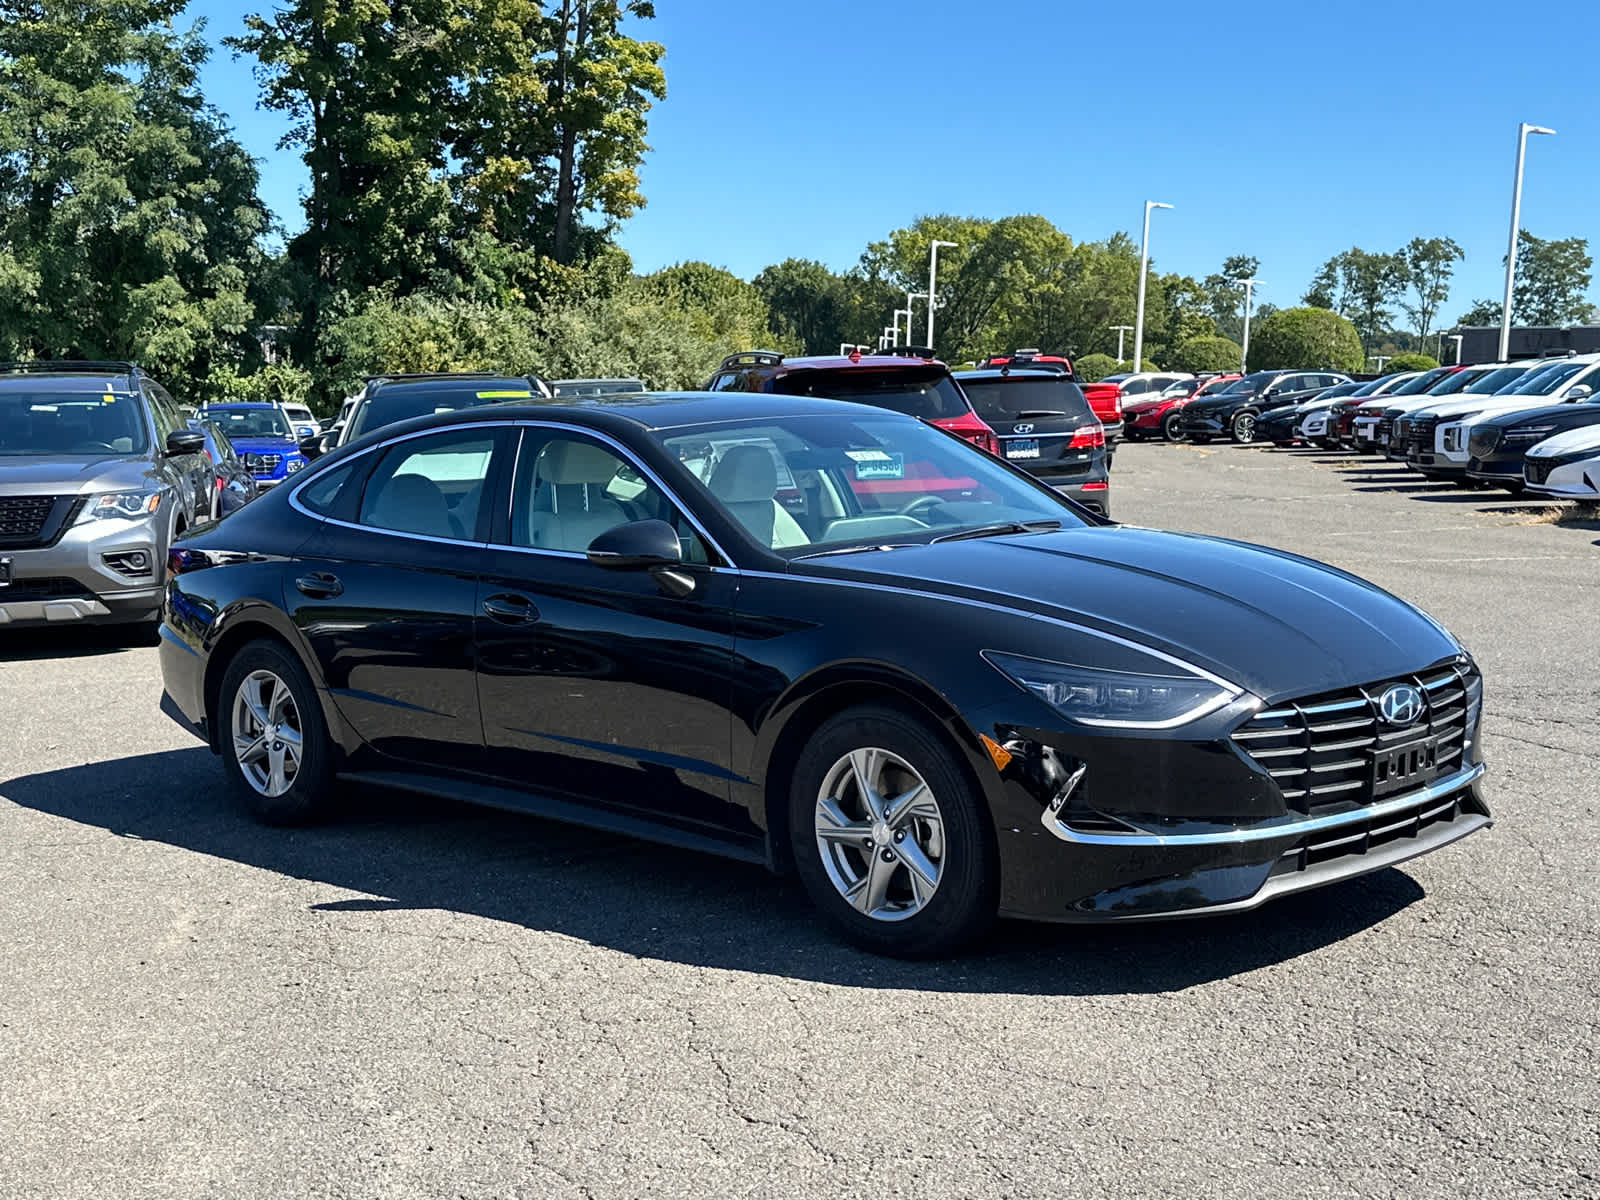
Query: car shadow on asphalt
77,641
407,853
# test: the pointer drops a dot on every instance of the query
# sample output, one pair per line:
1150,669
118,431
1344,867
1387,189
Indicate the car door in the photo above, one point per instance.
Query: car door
607,685
386,591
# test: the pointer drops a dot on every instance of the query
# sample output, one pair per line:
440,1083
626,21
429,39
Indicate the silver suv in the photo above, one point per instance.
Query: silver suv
98,471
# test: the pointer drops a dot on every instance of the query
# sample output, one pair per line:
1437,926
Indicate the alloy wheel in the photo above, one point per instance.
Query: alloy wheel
1170,430
880,833
268,741
1244,428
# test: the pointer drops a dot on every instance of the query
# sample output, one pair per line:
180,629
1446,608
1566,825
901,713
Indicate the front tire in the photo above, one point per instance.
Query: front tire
275,745
889,838
1170,428
1243,428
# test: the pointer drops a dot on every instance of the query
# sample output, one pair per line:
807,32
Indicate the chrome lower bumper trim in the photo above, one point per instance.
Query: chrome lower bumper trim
1287,827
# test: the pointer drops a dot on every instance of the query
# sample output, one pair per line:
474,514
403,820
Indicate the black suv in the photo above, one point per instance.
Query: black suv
1044,426
386,399
1498,444
98,472
1232,412
907,379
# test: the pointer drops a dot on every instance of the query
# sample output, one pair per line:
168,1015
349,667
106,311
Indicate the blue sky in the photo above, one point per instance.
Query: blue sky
807,128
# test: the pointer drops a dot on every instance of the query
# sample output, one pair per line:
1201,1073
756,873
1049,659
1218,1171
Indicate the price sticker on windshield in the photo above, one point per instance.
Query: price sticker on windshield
877,464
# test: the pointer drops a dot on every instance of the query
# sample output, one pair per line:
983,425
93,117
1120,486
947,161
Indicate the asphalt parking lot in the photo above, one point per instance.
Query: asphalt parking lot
426,1000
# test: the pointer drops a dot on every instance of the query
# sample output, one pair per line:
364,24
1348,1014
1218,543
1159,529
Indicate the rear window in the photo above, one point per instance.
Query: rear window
1010,398
917,391
390,405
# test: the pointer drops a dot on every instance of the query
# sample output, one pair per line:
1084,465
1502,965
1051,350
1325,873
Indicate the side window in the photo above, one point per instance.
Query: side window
1136,387
162,410
568,490
322,493
431,485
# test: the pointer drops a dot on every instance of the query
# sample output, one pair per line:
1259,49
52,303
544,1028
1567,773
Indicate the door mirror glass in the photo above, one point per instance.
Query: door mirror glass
185,441
1579,391
637,545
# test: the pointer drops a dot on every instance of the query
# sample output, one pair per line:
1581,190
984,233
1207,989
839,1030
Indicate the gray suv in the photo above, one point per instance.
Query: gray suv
98,471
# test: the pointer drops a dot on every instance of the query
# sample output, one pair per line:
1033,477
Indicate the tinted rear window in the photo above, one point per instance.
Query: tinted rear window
917,392
1010,398
402,403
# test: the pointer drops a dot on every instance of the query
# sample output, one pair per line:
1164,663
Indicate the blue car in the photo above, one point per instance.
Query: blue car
263,436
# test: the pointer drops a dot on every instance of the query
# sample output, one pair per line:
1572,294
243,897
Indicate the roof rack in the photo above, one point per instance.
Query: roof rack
65,364
906,352
751,358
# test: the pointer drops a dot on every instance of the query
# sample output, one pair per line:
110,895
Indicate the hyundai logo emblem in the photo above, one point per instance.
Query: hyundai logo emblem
1400,705
1023,428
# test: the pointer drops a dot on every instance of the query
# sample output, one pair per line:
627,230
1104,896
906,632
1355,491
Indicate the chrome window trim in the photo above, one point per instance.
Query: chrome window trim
1290,827
622,450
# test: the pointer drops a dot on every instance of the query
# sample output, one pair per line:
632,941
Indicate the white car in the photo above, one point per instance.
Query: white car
1548,381
301,419
1364,424
1144,384
1566,465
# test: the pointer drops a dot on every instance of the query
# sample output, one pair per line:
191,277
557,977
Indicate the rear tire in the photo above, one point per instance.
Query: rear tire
1170,428
275,745
867,865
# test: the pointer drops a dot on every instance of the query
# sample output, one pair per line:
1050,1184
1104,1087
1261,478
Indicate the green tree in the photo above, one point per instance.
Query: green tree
1324,289
1551,279
128,213
1306,338
1427,265
1369,283
1094,367
1410,361
1206,354
1482,313
809,304
716,303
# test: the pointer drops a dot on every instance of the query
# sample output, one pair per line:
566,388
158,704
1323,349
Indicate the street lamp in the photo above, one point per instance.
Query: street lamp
1380,359
933,283
1244,350
1144,270
1121,329
910,296
1523,131
898,313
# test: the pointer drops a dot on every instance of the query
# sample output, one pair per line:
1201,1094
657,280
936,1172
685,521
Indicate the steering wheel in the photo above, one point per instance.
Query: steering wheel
921,502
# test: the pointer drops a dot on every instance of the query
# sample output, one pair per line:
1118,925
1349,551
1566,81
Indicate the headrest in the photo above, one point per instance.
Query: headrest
746,473
576,462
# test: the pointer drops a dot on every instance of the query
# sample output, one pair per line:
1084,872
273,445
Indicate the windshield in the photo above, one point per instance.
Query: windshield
1024,397
1337,390
1460,381
392,404
1542,383
815,483
72,422
250,422
1215,386
1248,385
916,391
1421,383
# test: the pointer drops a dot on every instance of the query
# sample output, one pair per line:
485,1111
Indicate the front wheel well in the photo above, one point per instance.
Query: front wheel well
807,719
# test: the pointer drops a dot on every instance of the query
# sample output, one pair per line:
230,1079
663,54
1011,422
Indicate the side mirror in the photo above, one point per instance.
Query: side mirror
186,441
311,445
637,545
1579,391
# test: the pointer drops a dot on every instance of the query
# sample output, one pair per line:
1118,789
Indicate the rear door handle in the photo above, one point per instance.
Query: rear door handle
319,585
511,609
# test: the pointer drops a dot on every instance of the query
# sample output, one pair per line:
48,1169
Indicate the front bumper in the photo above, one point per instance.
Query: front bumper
1202,425
1496,470
88,575
1579,480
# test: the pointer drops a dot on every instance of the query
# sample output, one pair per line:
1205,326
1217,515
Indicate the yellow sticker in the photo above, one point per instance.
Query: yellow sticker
108,398
505,395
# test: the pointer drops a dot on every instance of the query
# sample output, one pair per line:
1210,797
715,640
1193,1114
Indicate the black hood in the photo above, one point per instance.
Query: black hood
1274,623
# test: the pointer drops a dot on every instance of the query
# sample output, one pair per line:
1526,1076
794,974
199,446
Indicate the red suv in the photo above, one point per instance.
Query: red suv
1105,400
905,379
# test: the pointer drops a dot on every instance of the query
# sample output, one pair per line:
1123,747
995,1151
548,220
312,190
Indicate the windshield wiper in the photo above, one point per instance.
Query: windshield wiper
996,530
856,549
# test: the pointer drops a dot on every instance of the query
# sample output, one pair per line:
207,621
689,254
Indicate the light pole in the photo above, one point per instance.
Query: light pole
1456,338
1244,350
933,283
1523,131
887,337
1380,359
1121,329
898,313
910,296
1144,270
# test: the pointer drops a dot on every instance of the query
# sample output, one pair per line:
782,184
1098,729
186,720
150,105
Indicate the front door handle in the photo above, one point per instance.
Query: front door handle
319,585
511,609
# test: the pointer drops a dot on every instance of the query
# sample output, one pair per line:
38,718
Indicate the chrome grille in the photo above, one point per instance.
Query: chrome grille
24,516
1362,837
1421,441
1321,750
269,463
1383,430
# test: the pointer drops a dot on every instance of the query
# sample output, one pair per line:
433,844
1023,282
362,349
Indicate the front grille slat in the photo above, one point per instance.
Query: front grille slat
24,516
1322,749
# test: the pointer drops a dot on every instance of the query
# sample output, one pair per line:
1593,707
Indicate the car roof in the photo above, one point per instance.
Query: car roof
242,404
96,381
843,362
985,374
452,383
647,410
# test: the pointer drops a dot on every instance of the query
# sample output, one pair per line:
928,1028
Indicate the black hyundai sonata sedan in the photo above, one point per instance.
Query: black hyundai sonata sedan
827,638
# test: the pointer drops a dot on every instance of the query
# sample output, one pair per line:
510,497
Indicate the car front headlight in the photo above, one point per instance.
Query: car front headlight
1168,695
126,506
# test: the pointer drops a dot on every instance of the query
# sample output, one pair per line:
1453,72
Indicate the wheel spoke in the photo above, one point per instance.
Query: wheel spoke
281,699
868,892
251,692
290,736
277,783
864,763
834,826
917,802
246,750
920,867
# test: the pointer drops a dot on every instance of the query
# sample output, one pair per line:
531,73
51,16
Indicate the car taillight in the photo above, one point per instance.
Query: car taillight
1095,485
1087,436
974,429
219,483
